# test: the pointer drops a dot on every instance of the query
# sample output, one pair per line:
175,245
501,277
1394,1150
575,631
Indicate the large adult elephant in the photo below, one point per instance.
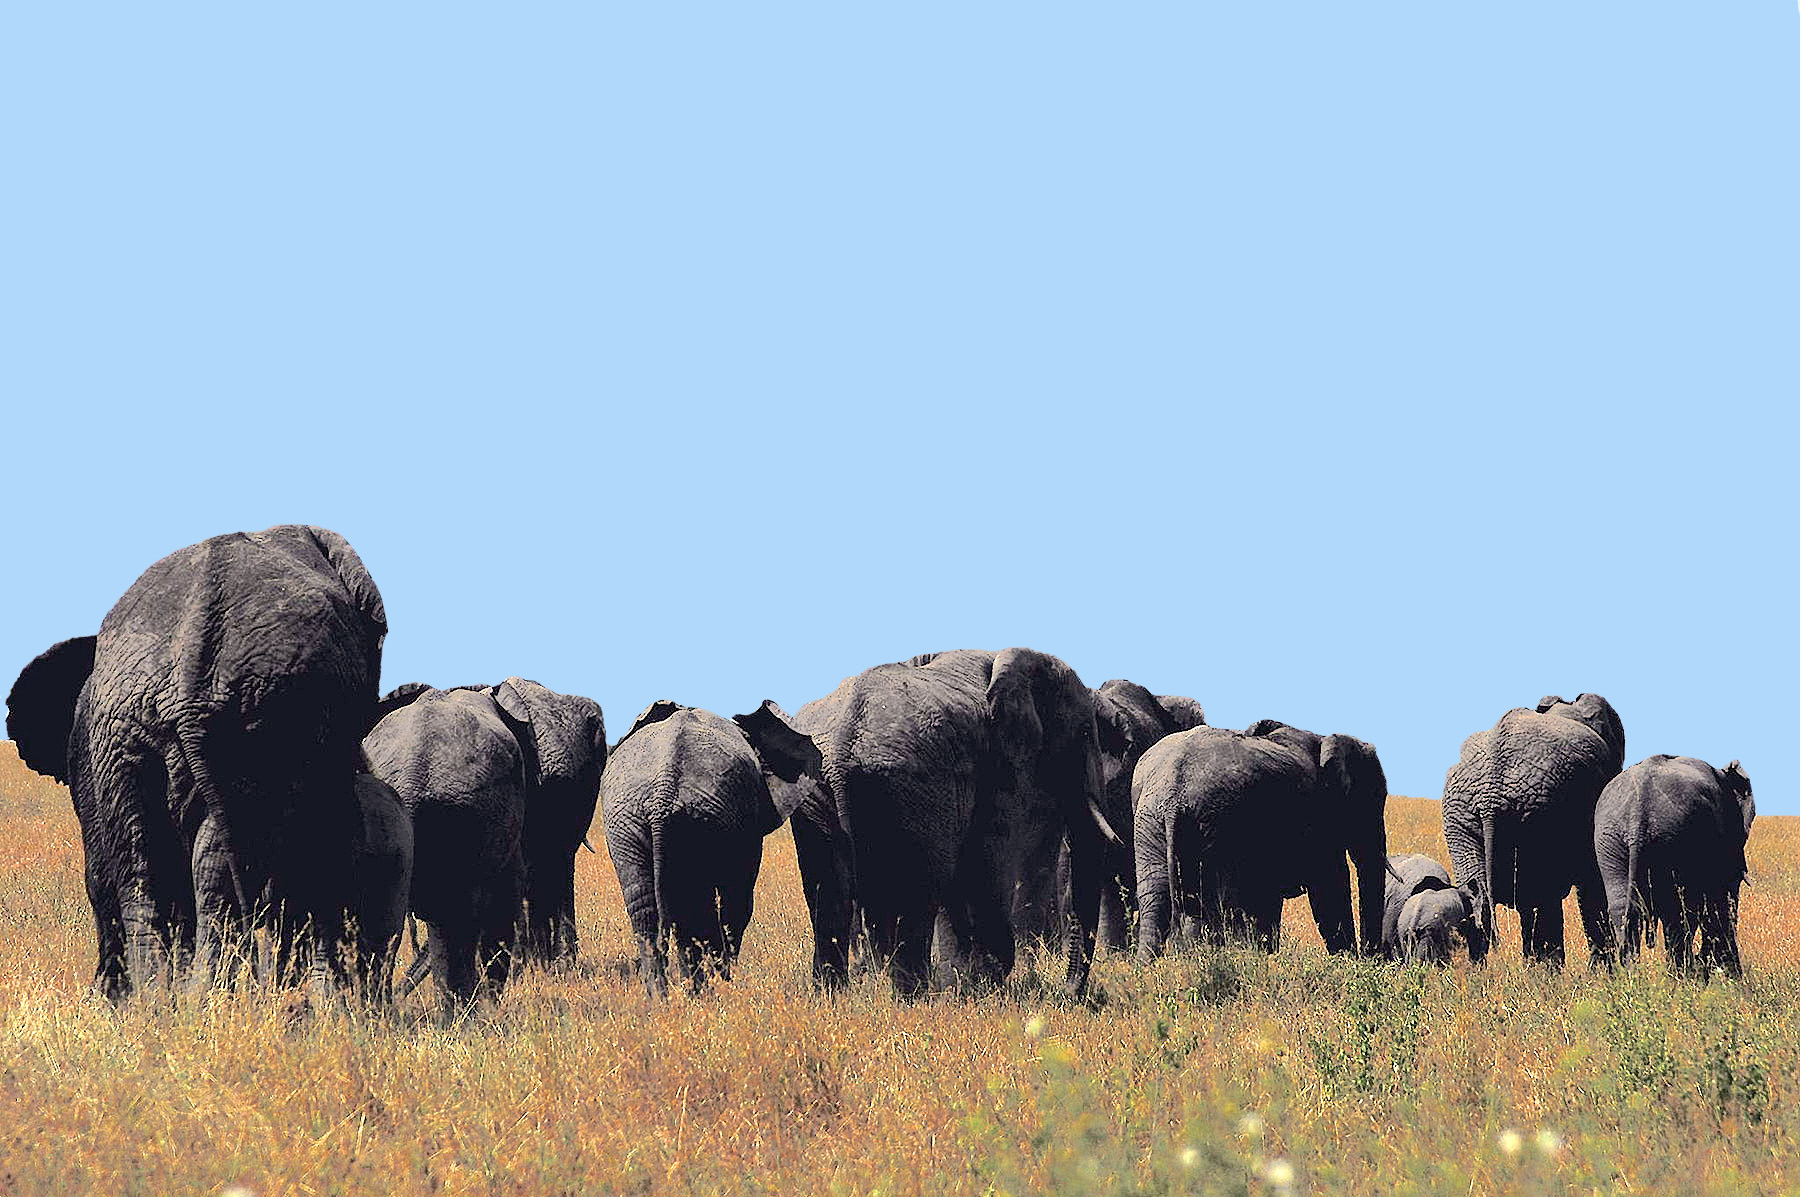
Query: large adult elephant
501,783
946,774
686,799
1130,720
230,686
1229,824
1518,815
1669,836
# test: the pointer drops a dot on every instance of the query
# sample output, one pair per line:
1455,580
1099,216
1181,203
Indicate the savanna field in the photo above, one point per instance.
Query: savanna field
1223,1072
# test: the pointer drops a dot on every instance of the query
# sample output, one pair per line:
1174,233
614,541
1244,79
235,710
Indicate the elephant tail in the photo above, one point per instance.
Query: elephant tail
1488,833
1156,887
634,840
1639,893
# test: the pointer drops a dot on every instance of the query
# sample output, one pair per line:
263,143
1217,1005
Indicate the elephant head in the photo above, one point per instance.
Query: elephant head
1433,916
1130,721
563,740
1737,788
1597,715
1346,816
1047,743
1354,807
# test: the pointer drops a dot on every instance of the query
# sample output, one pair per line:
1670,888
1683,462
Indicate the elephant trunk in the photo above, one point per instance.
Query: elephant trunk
1371,894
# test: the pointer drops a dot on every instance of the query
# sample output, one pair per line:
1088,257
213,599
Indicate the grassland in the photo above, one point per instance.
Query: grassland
1225,1072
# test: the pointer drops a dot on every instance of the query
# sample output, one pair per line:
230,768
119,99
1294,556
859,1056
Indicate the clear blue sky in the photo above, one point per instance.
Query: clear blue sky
1374,368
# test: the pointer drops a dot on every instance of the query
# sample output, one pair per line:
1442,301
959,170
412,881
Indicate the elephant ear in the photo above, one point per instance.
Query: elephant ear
656,712
1426,884
40,710
1013,712
355,576
400,696
1118,737
1185,713
791,762
563,736
1739,782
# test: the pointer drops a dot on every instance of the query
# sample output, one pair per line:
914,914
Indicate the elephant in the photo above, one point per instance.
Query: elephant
686,799
944,775
1424,912
231,683
381,869
1228,824
1129,721
501,783
1669,836
1518,814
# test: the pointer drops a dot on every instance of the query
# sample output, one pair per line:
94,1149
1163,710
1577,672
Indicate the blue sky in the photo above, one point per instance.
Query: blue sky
1373,368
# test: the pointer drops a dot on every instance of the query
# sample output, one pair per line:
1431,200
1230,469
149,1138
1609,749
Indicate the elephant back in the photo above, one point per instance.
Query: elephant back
689,764
250,625
447,748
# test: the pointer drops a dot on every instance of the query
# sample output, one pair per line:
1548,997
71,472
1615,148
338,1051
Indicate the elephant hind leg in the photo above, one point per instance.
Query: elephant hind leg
1718,934
653,964
694,928
737,902
451,948
1541,928
823,857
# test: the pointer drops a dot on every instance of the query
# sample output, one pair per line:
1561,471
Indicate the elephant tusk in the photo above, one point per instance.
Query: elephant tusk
1100,822
589,845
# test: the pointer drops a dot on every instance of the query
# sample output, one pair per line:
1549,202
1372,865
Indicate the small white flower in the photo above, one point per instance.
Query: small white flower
1190,1157
238,1191
1250,1126
1511,1141
1548,1142
1279,1173
1034,1026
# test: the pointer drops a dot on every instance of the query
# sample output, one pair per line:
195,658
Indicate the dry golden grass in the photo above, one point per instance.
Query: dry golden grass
1366,1078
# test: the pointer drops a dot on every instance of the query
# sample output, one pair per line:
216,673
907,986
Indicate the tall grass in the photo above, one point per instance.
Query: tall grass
1221,1072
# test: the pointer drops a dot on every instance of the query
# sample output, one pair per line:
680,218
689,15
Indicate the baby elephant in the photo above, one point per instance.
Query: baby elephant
687,798
1424,913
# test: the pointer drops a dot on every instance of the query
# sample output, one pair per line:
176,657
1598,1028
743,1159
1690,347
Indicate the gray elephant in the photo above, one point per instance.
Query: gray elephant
1229,824
1129,721
686,799
1424,913
1518,815
232,682
381,862
945,775
501,783
1669,836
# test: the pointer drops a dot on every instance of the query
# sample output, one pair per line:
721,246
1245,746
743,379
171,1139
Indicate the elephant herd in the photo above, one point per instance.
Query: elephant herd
247,799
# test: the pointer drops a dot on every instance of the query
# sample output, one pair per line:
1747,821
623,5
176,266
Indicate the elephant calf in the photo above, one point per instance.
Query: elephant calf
687,798
501,783
381,863
1669,836
1424,913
